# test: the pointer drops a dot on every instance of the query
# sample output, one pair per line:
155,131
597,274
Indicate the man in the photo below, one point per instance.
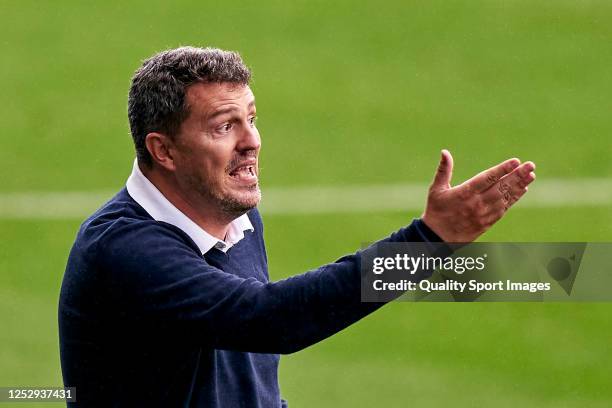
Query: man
166,299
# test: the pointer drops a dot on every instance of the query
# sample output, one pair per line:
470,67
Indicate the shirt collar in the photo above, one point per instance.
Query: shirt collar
157,205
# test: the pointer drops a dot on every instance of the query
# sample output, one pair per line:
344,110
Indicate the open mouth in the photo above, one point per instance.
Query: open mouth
244,173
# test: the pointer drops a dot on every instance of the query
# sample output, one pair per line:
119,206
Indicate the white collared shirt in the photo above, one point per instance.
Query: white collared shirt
157,205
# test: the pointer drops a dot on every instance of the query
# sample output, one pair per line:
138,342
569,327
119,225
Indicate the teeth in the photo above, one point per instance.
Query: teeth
250,170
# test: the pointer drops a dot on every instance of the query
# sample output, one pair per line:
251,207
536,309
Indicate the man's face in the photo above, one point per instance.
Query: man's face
217,148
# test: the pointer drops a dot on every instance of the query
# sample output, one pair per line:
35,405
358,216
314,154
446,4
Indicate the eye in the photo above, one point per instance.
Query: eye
252,120
226,127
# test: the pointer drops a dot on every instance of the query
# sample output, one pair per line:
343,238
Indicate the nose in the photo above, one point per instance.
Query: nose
249,139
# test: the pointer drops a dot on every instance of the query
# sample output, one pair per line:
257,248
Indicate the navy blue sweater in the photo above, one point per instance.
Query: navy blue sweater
147,321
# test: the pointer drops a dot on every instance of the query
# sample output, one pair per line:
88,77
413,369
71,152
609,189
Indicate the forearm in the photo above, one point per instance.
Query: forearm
297,312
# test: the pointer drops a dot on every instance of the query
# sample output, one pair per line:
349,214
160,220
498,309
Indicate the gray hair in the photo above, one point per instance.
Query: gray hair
156,102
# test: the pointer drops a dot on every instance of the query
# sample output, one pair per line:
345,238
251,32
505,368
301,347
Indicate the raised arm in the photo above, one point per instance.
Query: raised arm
165,286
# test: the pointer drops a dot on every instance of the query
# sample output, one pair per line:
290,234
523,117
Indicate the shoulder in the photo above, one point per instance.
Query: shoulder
122,223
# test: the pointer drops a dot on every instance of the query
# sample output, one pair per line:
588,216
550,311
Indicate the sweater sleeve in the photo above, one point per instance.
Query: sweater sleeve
160,282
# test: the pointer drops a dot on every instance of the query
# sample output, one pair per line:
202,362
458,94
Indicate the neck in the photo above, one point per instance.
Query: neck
214,222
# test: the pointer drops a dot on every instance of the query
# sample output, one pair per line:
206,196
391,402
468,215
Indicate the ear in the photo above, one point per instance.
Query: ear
161,149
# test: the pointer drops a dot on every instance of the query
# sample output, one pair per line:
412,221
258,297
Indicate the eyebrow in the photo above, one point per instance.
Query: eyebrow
228,110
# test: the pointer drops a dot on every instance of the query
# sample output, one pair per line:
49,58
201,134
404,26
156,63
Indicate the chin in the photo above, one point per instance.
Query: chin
239,203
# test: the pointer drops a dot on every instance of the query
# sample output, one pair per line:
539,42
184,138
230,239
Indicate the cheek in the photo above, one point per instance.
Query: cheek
213,159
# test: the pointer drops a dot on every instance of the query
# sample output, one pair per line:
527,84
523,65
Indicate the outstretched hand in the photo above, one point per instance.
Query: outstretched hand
462,213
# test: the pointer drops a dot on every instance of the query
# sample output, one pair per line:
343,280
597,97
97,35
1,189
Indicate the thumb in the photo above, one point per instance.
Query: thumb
444,173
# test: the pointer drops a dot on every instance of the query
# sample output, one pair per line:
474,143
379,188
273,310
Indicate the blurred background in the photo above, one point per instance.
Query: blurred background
351,96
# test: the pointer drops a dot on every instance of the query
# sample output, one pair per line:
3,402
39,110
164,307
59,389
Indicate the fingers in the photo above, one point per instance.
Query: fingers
497,210
463,213
482,181
444,173
510,188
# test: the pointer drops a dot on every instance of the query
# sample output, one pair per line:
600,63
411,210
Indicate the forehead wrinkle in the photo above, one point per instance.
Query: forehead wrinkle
234,105
209,100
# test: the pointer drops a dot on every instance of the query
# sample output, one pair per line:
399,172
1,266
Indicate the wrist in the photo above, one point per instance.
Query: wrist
435,227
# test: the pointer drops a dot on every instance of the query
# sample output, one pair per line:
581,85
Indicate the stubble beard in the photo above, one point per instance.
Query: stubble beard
229,204
236,206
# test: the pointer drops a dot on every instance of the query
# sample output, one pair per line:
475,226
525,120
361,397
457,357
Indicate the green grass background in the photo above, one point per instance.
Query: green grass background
348,93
